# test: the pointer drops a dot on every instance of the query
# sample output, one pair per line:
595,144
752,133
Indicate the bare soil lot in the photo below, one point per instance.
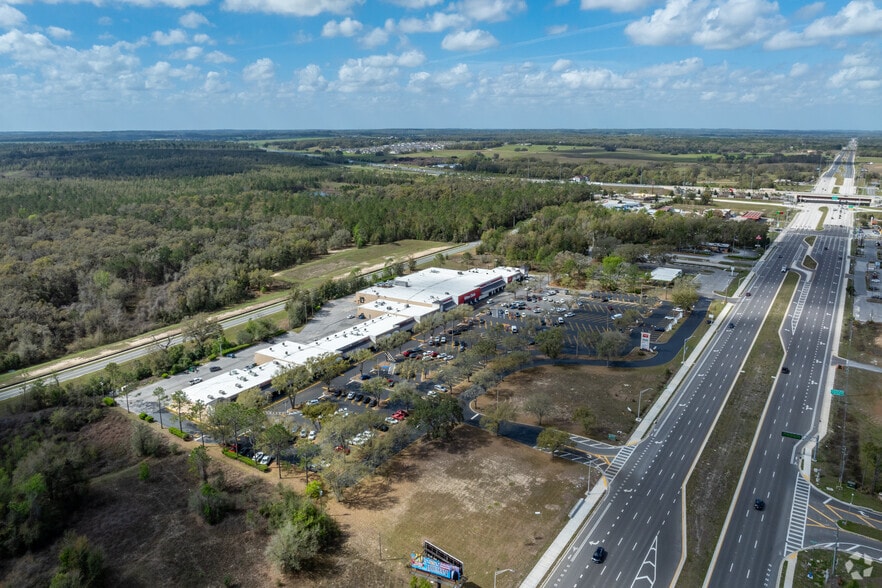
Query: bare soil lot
489,501
608,392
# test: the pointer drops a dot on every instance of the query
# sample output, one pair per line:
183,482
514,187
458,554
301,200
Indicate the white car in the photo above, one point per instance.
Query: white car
570,314
312,435
391,421
440,388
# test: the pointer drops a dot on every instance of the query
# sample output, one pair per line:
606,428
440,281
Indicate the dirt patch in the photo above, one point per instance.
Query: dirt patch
610,394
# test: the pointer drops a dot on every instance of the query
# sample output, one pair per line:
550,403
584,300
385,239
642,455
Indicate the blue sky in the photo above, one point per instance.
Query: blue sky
288,64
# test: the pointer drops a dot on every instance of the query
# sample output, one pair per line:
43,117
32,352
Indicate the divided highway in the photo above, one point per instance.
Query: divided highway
640,520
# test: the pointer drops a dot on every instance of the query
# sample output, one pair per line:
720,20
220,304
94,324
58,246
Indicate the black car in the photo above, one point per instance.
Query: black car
785,370
599,555
759,504
731,325
359,397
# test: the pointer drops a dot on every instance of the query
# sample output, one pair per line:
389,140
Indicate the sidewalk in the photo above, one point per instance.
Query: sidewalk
563,540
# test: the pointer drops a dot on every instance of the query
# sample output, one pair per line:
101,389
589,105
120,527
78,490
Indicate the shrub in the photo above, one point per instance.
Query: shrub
179,433
142,415
149,419
108,401
145,442
210,503
143,471
245,460
81,565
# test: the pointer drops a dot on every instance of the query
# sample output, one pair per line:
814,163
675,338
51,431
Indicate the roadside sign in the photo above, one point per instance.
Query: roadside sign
836,392
791,435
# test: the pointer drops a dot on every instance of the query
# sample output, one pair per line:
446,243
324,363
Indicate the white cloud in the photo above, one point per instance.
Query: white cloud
59,33
173,37
857,69
192,20
214,83
105,21
11,17
434,23
556,29
310,79
857,18
712,24
162,76
491,10
594,79
474,40
616,5
345,28
375,72
218,57
375,38
291,7
561,65
676,69
455,76
188,54
153,3
203,39
261,71
798,70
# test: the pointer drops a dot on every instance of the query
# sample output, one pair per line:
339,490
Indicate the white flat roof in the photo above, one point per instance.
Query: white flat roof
435,285
400,309
666,274
229,384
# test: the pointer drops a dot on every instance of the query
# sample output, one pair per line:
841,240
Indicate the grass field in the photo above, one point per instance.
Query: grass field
813,563
610,393
713,481
342,263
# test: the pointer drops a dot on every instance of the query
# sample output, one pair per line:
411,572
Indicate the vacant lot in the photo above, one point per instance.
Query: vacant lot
341,263
610,394
489,501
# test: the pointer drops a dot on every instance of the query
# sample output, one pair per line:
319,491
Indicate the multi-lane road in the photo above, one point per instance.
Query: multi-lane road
640,520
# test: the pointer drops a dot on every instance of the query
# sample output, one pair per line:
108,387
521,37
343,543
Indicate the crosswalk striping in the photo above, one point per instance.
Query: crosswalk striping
798,514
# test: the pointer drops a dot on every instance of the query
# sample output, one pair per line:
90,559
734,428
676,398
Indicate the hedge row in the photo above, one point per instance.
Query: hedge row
179,433
245,460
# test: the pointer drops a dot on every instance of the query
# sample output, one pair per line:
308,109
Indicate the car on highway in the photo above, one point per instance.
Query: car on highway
731,325
747,294
785,370
759,504
599,554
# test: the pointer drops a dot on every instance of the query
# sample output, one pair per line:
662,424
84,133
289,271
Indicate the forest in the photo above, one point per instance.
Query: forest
102,241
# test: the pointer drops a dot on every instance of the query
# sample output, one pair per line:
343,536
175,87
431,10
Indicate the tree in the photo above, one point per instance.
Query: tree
326,367
253,397
684,294
439,417
197,409
291,381
550,342
81,565
307,451
200,330
198,461
179,399
552,439
276,438
374,387
159,393
501,412
360,356
228,418
540,405
584,417
609,344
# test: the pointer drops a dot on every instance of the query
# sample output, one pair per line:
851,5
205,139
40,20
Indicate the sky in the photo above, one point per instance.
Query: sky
98,65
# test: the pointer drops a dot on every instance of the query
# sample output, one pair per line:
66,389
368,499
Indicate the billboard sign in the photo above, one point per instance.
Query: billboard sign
430,565
644,340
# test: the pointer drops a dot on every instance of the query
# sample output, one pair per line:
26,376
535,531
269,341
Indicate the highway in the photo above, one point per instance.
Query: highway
639,522
89,365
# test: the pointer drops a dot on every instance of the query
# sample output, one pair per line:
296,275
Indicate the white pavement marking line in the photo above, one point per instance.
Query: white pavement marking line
619,461
798,513
646,573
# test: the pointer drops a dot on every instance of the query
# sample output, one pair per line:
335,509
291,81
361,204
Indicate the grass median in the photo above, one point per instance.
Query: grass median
713,481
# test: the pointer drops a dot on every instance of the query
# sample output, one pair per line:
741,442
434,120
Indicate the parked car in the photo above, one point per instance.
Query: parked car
214,368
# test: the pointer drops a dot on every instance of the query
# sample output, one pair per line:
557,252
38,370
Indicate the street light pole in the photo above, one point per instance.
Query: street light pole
640,403
497,572
684,348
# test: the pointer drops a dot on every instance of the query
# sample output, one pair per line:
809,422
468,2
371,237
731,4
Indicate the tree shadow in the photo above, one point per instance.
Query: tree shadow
375,494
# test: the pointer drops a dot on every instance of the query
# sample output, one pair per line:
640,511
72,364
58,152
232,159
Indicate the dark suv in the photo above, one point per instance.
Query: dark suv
599,555
759,504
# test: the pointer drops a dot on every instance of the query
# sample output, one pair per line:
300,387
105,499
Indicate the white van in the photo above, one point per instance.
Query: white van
514,328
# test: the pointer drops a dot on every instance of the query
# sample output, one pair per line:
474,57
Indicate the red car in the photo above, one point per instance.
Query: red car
341,448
